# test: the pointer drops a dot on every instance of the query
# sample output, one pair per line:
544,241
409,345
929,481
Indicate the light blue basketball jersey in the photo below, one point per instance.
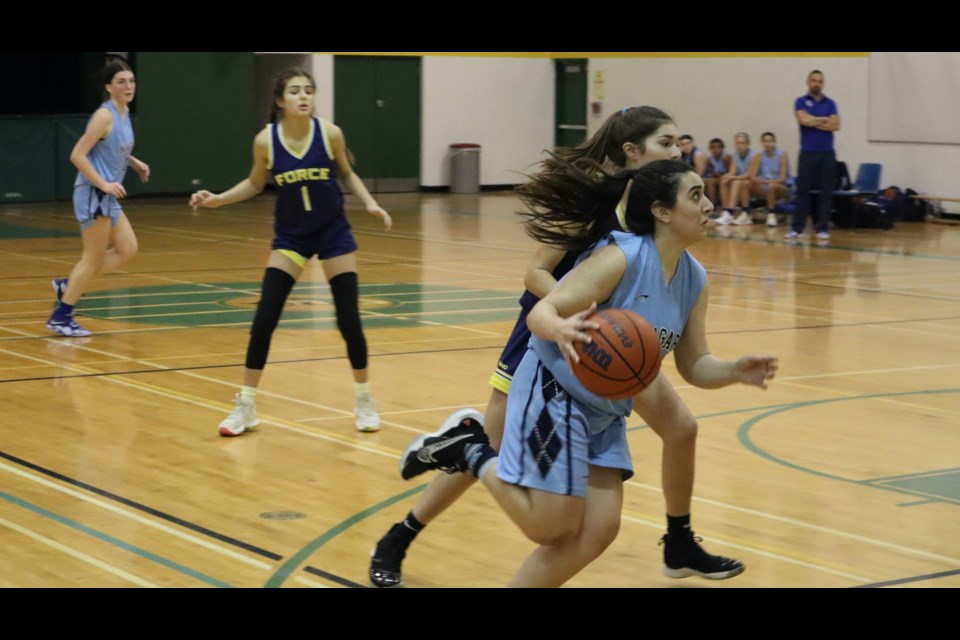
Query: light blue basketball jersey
109,156
770,165
643,289
741,164
716,167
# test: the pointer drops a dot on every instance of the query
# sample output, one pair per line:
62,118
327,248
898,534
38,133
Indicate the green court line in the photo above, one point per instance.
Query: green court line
143,553
284,571
288,567
916,475
916,502
934,497
310,307
743,435
912,492
10,231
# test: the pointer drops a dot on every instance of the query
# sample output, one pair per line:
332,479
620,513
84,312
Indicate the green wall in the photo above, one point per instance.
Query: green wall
194,120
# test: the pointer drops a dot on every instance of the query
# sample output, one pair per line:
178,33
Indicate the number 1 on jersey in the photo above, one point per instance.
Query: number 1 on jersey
306,198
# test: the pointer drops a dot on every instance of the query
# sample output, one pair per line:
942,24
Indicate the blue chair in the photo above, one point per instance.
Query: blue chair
867,182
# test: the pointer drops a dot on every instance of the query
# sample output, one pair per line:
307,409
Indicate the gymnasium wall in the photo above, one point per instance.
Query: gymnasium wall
506,104
195,119
197,113
719,96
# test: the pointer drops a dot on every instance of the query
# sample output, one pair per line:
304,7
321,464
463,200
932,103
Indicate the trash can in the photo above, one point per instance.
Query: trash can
464,168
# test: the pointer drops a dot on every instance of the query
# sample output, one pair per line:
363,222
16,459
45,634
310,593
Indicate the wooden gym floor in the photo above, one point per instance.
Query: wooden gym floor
846,472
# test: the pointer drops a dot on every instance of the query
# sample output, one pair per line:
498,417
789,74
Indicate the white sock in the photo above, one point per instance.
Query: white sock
361,388
249,393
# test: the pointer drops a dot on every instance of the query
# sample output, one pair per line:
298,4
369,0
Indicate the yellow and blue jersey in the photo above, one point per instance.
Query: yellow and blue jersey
308,196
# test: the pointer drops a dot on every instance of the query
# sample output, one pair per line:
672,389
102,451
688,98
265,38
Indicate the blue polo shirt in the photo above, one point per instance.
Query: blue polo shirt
811,138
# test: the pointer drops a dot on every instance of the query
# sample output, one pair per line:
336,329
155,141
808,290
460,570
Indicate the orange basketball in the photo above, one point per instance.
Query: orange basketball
624,357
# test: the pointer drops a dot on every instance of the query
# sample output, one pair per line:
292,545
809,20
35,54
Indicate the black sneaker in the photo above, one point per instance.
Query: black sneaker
684,557
386,558
444,449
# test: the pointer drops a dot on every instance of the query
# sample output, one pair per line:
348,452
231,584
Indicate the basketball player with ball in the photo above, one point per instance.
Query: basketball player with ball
564,455
628,139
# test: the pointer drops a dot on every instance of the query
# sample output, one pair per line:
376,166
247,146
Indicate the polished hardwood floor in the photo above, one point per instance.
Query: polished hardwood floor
845,472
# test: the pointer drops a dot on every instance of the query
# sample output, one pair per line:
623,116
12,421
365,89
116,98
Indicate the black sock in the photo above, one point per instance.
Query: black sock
678,526
479,455
409,528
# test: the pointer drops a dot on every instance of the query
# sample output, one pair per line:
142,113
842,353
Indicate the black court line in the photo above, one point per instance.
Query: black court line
333,578
270,555
407,353
234,365
889,583
142,507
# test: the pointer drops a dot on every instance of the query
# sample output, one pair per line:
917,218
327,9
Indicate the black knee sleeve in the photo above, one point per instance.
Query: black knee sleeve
345,299
276,287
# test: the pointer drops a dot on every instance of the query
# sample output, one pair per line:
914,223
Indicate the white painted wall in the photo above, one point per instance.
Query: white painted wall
506,105
323,74
717,97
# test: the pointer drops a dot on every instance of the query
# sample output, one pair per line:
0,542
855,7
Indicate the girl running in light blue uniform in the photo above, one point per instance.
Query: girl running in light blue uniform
564,453
629,139
102,155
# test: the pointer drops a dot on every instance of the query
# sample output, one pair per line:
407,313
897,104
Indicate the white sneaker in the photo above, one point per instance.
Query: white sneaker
67,327
823,235
725,217
791,235
243,418
772,220
366,411
743,218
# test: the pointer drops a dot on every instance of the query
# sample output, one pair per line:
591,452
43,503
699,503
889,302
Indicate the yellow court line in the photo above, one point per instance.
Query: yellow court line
924,408
216,406
423,410
808,525
79,555
895,401
903,329
761,552
865,372
840,374
606,54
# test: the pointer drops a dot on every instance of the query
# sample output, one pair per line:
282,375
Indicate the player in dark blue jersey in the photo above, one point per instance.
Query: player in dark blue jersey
305,156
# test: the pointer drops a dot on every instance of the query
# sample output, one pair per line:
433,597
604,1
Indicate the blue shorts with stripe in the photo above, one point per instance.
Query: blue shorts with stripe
89,203
330,241
551,439
512,355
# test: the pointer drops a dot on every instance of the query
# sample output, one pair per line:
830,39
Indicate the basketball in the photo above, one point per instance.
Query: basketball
623,357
